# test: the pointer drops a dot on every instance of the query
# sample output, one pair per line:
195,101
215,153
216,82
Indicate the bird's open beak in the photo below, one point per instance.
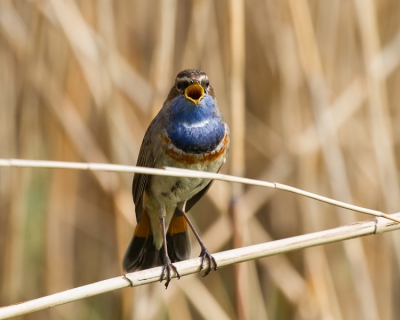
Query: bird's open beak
194,92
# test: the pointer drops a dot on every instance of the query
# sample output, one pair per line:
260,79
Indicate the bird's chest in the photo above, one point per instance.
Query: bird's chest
173,190
210,161
178,189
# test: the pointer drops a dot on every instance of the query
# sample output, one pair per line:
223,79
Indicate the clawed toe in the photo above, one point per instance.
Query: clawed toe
166,271
212,264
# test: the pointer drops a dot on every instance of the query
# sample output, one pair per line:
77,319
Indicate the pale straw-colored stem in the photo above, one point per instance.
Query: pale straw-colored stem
225,258
168,171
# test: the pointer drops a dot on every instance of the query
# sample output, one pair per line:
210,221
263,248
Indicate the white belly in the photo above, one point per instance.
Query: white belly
173,190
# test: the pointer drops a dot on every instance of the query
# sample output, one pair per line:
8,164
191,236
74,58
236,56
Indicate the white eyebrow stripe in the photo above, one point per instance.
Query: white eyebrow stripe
202,77
188,79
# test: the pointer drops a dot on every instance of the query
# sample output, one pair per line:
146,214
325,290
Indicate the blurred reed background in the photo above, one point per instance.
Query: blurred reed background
310,90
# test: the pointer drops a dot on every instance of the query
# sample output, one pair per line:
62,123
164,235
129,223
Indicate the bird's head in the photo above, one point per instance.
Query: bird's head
193,84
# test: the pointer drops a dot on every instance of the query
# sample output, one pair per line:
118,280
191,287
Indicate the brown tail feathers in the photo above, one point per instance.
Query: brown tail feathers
142,254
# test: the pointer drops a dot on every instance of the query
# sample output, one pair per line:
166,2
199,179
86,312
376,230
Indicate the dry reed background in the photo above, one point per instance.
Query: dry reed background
310,91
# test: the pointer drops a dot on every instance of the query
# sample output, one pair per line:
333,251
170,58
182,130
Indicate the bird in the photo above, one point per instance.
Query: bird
188,132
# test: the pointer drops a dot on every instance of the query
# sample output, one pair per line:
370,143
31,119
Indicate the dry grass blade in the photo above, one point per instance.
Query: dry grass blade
192,266
175,172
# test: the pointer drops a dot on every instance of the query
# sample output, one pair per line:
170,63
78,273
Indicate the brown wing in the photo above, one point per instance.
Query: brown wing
145,159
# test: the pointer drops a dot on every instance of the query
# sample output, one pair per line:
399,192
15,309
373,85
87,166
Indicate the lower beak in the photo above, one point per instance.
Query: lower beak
194,92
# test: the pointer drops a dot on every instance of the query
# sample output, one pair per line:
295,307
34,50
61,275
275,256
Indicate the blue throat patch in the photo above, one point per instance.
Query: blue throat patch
195,129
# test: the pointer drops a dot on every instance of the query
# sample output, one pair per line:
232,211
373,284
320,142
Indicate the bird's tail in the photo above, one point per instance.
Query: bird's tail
142,254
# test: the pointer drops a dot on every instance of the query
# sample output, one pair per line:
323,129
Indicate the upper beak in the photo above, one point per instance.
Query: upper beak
194,92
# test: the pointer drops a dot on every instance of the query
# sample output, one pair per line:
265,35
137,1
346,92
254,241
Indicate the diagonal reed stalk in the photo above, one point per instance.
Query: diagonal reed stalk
187,267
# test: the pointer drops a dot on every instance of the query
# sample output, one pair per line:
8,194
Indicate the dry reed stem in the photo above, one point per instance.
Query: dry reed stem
176,172
379,225
333,156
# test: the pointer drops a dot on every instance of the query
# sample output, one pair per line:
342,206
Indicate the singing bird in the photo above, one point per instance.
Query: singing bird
190,133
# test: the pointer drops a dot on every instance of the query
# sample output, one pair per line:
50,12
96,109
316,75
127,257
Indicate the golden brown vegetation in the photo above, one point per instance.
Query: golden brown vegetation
310,90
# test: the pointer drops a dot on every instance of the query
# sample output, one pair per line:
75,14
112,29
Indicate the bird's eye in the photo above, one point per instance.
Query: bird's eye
207,83
179,86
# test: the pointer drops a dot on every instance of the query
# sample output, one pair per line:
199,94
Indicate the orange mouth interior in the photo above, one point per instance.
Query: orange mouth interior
194,93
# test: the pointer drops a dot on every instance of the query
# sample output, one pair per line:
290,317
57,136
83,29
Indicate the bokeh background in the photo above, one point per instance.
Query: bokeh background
310,90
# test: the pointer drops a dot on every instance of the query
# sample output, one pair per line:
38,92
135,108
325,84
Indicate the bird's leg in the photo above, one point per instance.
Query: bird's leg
167,261
204,254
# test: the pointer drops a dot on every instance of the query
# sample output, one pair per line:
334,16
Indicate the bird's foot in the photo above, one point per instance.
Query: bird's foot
205,255
167,271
